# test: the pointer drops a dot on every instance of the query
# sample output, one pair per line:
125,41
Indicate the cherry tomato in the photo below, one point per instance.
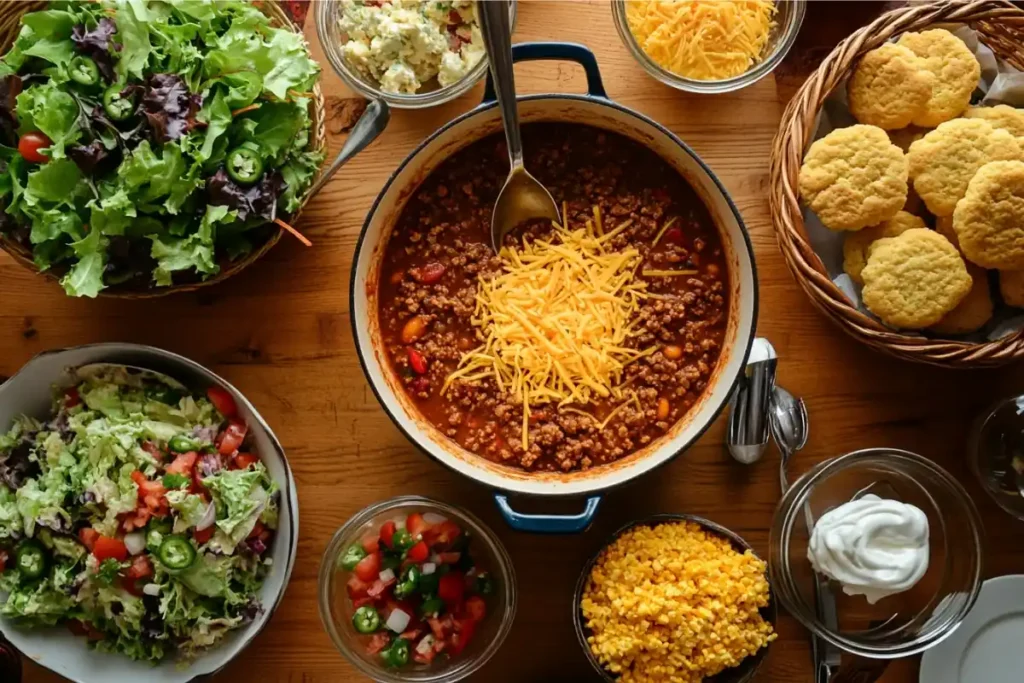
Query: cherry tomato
451,587
368,567
416,525
387,532
232,437
418,553
30,144
243,460
222,401
476,608
109,548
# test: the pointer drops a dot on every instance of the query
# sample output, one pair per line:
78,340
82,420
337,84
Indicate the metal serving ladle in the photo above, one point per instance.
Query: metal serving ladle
523,197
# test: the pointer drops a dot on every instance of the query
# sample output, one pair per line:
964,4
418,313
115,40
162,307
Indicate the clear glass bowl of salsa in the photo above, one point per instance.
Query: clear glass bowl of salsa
413,589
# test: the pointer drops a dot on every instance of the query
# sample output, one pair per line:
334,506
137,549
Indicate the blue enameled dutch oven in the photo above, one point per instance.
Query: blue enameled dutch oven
593,109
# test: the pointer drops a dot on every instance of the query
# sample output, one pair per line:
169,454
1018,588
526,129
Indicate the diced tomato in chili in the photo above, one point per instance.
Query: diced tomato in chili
356,587
371,543
232,437
464,630
416,525
71,398
141,568
243,460
88,537
417,362
378,642
673,235
451,587
203,536
418,553
183,463
387,532
476,608
368,567
222,401
109,548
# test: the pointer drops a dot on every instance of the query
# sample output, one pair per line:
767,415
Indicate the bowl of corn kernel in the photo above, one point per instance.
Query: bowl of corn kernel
675,598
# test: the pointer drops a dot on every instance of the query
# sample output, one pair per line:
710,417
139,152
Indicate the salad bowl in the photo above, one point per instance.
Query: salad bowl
29,392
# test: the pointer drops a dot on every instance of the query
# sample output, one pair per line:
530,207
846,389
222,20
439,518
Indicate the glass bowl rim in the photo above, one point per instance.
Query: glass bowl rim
789,509
782,47
737,541
326,11
974,456
503,568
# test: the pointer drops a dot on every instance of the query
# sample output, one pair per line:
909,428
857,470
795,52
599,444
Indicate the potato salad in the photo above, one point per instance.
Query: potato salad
404,44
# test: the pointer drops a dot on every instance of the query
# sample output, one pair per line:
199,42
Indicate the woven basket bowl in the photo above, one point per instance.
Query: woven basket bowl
10,25
1000,25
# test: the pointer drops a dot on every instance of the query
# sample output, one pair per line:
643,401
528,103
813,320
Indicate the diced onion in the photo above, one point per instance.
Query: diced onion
398,620
428,568
135,542
387,575
425,645
151,589
433,518
209,517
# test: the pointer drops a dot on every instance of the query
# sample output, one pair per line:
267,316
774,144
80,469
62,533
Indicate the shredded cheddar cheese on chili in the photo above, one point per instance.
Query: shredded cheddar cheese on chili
705,40
556,320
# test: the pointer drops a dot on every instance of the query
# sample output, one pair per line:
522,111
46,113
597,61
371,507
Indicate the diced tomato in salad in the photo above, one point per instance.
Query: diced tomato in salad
230,440
222,401
416,591
106,547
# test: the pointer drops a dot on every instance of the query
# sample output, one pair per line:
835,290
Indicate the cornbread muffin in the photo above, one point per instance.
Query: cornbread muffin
854,177
1000,116
944,226
1011,286
676,603
890,87
989,220
855,247
971,314
956,73
913,280
945,160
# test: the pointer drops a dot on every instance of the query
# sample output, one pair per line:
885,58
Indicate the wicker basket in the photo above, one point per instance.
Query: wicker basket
1001,27
10,25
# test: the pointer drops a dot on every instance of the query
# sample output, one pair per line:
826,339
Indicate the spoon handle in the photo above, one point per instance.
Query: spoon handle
369,126
496,28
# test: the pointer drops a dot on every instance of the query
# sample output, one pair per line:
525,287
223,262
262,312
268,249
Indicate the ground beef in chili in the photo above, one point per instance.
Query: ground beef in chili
440,248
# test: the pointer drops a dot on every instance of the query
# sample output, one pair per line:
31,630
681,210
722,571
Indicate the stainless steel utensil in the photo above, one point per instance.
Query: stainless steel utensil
790,428
369,126
748,413
523,197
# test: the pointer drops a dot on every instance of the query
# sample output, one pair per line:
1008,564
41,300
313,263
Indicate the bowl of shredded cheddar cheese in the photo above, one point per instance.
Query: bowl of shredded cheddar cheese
708,46
675,598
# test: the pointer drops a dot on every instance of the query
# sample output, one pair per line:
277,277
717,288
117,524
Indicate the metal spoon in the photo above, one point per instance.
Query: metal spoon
523,197
747,435
371,124
790,429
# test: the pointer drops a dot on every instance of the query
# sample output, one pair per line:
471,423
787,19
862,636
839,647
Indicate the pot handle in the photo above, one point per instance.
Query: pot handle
570,52
548,524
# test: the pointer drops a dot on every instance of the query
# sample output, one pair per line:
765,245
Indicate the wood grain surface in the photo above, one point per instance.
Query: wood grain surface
280,332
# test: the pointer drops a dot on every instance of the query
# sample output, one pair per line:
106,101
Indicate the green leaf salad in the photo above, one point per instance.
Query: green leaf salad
147,142
137,515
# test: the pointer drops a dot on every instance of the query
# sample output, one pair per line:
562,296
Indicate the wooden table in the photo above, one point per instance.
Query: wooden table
280,332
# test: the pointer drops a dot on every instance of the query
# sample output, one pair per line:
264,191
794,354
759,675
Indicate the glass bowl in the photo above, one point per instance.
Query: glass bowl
788,20
738,674
906,623
431,95
336,607
997,454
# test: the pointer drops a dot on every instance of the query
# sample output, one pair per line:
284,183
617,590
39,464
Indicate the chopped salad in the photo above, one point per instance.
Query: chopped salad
417,592
137,515
147,143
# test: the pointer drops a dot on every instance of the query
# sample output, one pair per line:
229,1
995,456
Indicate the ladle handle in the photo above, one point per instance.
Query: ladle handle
496,27
369,126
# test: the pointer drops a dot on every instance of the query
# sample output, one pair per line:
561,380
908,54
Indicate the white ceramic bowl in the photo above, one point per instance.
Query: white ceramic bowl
593,109
29,392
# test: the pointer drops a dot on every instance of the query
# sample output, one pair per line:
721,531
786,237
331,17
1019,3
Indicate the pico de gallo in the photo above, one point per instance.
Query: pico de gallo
417,592
137,515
